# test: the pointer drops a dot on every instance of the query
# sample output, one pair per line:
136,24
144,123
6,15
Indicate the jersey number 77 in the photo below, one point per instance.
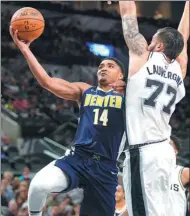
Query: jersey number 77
151,101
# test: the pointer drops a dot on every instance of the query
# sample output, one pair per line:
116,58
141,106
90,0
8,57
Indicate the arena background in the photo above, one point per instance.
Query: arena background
37,127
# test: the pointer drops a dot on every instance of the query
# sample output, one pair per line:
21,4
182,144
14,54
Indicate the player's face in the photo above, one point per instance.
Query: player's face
108,72
155,45
119,195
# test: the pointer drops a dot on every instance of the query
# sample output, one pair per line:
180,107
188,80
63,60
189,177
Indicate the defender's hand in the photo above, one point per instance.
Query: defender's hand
119,86
20,43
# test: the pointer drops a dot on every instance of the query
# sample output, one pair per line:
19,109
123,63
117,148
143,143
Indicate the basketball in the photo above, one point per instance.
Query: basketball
29,22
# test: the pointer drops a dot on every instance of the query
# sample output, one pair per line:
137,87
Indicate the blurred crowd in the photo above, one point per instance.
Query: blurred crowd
23,95
14,192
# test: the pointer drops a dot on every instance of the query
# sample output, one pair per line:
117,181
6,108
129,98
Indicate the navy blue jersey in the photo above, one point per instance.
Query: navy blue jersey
101,124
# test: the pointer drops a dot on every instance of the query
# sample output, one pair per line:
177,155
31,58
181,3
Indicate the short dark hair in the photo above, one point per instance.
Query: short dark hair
173,42
118,62
176,142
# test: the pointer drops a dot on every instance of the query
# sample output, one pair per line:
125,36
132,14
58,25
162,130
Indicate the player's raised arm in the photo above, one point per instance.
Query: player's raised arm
184,30
59,87
134,39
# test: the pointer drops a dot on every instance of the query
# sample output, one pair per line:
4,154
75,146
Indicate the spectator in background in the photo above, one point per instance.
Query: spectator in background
120,207
15,183
76,210
9,105
6,142
12,208
19,199
53,211
23,192
26,174
6,188
23,211
5,196
25,183
21,104
13,85
158,15
52,200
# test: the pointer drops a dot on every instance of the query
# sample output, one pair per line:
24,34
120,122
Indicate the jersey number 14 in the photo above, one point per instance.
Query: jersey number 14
100,117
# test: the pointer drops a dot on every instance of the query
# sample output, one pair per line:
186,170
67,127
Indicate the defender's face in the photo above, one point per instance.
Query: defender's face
119,195
108,72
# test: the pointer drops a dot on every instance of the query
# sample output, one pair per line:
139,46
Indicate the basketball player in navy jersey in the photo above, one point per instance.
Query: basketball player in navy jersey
92,164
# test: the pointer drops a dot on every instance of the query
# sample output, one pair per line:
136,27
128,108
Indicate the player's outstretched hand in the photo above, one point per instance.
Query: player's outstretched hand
20,44
118,85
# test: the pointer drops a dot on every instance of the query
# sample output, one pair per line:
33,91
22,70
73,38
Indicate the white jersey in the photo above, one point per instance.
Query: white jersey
178,199
118,212
151,96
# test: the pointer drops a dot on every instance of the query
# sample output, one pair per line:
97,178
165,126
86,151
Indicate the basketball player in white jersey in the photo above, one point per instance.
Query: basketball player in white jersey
180,181
154,87
121,207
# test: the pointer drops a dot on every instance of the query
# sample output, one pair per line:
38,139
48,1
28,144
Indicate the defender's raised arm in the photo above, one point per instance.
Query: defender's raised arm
184,30
135,41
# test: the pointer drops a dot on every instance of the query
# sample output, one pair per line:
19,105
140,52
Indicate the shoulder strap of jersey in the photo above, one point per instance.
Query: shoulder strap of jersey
180,169
86,92
94,88
121,210
150,55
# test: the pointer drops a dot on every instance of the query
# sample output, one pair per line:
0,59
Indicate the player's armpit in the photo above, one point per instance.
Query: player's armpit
65,89
185,176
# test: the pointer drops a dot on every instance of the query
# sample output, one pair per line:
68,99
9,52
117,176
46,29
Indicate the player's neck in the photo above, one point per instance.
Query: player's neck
105,88
167,58
120,204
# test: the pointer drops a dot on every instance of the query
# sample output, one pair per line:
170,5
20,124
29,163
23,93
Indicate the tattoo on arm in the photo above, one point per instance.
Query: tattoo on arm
135,41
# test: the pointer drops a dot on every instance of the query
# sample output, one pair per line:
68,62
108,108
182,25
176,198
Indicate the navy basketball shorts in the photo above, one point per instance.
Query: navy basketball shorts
97,178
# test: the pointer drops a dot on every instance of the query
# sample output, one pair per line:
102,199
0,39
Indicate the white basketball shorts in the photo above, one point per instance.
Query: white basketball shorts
147,176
